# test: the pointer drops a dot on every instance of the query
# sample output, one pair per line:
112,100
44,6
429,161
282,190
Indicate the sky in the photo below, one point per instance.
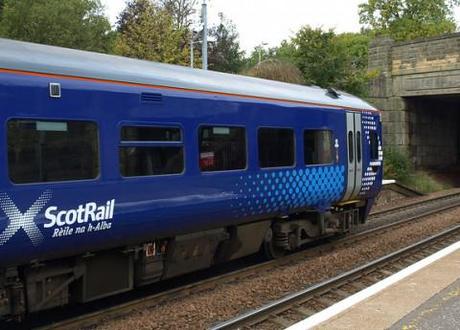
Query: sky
269,22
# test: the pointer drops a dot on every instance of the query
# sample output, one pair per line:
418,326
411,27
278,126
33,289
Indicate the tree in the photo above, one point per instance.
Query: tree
408,19
79,24
318,57
132,14
180,10
147,31
329,60
354,76
224,52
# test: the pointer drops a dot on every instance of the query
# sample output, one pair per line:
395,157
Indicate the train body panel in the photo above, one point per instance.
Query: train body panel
42,221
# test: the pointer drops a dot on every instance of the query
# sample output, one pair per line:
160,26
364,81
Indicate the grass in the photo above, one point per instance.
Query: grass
397,166
424,182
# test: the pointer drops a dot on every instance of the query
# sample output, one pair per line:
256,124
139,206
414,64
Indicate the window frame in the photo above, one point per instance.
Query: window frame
246,141
152,144
294,146
332,146
54,119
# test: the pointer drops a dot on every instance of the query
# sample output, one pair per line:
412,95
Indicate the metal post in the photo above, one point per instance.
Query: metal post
192,51
204,17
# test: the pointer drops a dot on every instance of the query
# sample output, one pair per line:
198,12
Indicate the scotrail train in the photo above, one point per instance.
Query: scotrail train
121,172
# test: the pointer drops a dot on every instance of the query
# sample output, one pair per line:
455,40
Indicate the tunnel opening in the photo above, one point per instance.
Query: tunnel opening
434,134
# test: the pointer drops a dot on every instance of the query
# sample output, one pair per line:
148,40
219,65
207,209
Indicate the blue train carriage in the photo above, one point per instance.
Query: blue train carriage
121,172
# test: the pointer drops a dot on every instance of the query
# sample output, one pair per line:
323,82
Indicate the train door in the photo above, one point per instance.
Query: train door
355,161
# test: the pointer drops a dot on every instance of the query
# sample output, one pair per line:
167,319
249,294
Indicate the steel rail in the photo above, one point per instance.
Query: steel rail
411,205
266,311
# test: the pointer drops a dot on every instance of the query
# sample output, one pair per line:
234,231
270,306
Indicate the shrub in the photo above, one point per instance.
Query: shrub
275,69
397,166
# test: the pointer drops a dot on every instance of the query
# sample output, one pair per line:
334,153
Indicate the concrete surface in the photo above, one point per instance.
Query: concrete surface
391,305
441,312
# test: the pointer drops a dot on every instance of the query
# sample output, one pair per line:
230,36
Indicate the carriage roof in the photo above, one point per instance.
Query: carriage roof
36,58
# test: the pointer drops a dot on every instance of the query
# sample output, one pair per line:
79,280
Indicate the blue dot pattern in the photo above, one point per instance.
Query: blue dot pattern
284,190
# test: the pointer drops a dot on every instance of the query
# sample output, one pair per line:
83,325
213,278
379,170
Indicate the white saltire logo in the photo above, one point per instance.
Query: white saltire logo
20,220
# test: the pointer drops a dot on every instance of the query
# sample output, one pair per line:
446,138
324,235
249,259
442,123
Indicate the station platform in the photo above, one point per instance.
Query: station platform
426,295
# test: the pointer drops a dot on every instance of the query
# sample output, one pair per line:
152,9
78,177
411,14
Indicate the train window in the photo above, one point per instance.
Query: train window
222,148
374,144
143,133
44,151
318,147
350,147
148,150
143,161
358,146
276,147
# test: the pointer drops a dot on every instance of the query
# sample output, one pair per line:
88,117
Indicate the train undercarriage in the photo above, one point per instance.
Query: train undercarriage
40,286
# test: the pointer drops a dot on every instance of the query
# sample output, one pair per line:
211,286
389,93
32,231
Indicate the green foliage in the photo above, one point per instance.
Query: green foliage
276,69
408,19
79,24
354,76
148,32
328,59
224,52
425,183
318,56
397,166
286,51
324,58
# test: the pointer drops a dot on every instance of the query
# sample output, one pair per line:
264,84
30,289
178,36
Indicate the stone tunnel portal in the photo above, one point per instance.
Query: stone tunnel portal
434,131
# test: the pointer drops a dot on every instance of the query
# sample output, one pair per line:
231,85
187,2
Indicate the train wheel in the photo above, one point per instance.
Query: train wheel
271,251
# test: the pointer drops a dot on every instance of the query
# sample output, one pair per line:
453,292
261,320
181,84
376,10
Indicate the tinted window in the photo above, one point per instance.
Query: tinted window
222,148
144,152
318,147
42,151
374,145
142,161
358,146
350,147
142,133
276,147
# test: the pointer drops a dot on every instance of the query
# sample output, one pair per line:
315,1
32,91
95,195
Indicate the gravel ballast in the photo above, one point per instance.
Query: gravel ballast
206,308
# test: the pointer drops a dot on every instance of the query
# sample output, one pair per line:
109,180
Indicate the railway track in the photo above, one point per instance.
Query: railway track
400,215
302,304
409,214
444,199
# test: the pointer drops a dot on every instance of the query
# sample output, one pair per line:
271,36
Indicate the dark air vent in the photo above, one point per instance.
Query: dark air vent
151,98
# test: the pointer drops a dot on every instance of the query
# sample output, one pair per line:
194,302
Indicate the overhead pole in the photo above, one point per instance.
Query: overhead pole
192,51
204,51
